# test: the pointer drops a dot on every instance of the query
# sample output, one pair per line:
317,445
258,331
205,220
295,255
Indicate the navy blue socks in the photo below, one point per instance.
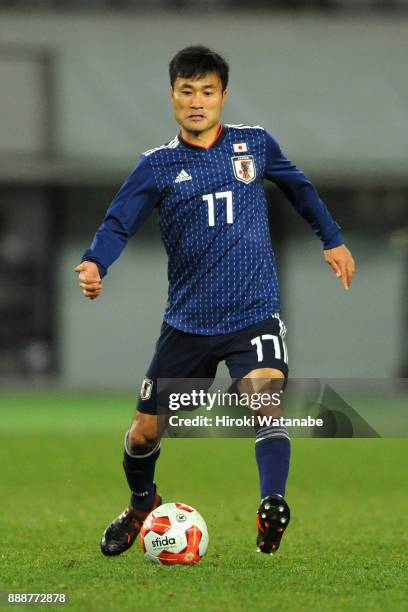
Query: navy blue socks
139,470
273,456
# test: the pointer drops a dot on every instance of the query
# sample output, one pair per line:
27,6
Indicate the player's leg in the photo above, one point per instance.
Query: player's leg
272,451
272,444
141,451
178,356
260,362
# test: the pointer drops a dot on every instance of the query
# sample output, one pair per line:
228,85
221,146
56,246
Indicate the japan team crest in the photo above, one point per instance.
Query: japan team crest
244,168
146,390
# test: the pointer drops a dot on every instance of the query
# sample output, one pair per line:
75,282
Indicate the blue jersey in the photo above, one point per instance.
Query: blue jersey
214,224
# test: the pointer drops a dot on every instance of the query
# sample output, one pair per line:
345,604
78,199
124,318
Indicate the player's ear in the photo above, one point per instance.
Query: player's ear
224,95
171,92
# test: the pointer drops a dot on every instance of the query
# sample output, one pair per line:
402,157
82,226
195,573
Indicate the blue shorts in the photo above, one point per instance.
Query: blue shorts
192,356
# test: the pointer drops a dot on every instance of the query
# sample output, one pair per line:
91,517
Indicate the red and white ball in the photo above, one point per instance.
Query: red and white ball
174,534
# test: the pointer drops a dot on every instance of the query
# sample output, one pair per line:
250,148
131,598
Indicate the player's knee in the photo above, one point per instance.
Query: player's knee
142,437
140,443
262,380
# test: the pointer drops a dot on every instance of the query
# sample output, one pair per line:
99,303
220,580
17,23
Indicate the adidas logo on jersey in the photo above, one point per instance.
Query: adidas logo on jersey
183,176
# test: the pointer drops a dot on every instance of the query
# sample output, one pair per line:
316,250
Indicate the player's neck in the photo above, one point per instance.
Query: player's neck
202,139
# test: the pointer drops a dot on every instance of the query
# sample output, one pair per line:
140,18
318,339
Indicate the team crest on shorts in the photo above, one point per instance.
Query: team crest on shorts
244,168
146,390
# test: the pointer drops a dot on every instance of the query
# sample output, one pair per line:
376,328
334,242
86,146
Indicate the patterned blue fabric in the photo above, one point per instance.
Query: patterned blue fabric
214,225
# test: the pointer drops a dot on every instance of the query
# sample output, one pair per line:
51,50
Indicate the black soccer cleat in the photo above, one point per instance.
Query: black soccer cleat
272,518
123,531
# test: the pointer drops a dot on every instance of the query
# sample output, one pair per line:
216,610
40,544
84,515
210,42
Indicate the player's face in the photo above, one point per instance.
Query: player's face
198,102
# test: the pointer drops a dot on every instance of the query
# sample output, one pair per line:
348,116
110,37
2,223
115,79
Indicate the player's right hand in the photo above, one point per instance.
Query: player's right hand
89,279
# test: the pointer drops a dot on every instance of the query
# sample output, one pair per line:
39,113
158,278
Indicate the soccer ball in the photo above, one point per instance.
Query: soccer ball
174,534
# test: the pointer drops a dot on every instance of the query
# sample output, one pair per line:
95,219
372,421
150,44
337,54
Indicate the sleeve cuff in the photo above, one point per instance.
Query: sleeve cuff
333,242
102,270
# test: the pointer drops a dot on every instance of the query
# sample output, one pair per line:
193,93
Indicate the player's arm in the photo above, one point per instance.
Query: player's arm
305,199
129,209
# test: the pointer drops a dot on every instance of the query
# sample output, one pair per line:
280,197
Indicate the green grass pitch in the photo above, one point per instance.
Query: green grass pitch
62,481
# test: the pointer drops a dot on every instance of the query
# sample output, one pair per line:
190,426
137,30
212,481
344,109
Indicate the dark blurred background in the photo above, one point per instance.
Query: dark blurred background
368,6
84,90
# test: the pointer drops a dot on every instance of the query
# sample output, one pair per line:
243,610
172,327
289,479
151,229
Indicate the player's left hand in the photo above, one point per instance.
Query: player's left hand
342,262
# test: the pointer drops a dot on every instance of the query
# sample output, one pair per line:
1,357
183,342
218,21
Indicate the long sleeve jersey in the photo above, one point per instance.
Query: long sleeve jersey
214,225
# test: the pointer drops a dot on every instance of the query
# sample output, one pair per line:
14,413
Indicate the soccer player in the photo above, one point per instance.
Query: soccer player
223,304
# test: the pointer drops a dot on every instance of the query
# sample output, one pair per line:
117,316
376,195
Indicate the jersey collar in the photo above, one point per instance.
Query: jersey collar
222,132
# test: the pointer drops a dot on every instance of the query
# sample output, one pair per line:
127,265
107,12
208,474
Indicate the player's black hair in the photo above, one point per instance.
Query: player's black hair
197,61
